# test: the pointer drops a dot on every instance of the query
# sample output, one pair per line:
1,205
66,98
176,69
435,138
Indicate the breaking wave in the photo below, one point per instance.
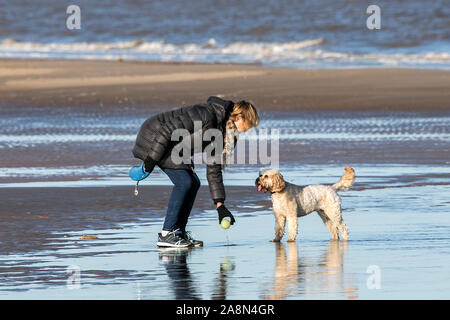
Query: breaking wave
297,54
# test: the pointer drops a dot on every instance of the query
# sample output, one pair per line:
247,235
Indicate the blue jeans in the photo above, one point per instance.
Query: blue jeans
186,184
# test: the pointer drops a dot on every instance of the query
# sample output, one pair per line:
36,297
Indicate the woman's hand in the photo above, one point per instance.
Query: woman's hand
224,212
149,164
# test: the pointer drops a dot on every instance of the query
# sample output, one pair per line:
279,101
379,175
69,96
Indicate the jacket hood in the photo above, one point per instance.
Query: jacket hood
221,107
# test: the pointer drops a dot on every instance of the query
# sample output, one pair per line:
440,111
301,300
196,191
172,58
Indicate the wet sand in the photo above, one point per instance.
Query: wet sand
391,125
41,247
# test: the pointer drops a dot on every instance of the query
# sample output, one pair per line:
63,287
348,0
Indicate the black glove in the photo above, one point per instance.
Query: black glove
224,212
149,164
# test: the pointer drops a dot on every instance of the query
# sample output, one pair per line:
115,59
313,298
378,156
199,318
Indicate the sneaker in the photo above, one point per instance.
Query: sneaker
173,240
187,235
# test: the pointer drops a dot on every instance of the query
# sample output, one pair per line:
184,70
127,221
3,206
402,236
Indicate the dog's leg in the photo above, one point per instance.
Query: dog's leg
335,216
292,228
334,231
329,224
280,222
343,230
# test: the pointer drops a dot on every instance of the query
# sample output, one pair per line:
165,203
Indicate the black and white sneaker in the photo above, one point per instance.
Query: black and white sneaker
173,240
187,235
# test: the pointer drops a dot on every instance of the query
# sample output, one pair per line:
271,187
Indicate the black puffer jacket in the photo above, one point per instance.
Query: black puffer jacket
154,145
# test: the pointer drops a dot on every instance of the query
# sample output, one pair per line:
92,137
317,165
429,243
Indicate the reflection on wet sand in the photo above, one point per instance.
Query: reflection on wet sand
328,276
174,260
287,271
175,263
220,291
293,277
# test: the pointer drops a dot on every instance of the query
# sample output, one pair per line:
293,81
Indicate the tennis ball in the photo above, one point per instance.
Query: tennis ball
226,265
225,223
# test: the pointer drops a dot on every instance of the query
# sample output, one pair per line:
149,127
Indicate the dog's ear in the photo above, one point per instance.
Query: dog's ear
278,183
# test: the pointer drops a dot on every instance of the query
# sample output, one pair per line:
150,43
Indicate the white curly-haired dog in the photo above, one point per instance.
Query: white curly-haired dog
290,201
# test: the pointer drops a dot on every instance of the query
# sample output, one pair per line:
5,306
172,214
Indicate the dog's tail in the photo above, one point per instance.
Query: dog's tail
346,181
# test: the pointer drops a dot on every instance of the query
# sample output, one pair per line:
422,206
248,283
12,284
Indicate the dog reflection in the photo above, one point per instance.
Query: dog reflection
328,277
287,270
292,277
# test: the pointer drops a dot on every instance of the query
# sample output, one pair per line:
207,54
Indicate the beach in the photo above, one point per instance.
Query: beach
66,134
156,86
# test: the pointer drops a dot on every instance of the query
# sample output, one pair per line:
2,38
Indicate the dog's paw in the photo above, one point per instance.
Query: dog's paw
275,240
291,240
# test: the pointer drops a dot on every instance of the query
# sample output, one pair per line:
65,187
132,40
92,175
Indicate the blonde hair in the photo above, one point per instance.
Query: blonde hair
248,112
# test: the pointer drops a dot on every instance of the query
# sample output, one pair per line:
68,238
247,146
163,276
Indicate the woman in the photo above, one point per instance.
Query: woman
154,145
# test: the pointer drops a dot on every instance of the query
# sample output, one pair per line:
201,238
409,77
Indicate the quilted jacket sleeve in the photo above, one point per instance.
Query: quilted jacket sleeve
215,182
162,139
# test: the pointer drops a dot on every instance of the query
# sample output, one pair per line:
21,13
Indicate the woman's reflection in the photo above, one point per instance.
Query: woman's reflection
174,260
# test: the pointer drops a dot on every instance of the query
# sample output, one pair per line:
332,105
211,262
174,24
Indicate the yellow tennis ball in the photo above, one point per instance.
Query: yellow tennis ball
225,223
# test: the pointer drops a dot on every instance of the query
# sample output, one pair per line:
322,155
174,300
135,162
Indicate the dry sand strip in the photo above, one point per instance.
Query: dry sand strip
21,72
159,86
72,82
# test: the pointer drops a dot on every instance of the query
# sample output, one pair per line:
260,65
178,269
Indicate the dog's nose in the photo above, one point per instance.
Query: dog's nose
257,180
